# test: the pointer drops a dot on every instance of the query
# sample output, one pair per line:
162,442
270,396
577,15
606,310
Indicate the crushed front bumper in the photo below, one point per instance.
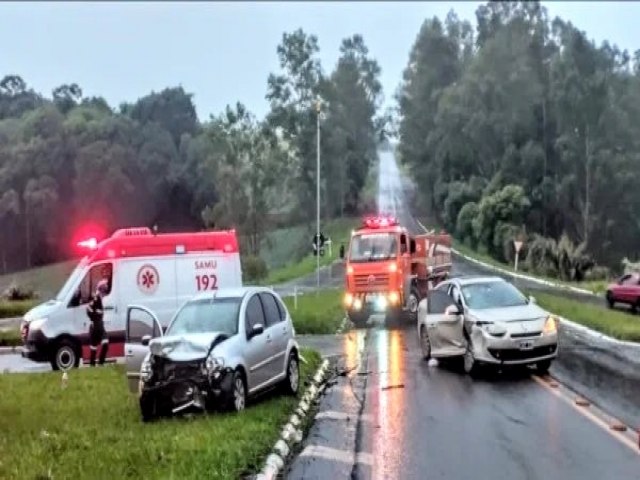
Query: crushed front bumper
520,351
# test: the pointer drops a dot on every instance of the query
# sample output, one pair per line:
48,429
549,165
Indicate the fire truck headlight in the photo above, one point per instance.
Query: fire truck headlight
393,267
348,299
394,298
357,304
381,303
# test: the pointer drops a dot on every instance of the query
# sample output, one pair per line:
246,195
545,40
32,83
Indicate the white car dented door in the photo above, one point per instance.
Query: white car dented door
445,324
142,325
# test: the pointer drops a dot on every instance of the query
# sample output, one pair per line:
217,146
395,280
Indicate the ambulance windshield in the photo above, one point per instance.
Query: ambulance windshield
207,315
71,282
371,247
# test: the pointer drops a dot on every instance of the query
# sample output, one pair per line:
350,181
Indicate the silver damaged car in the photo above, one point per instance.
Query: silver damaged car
220,348
486,321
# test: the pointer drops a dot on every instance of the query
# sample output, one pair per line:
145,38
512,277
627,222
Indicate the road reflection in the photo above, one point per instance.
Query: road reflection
390,416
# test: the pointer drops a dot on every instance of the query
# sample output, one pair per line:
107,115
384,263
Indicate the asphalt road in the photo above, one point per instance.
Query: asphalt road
390,414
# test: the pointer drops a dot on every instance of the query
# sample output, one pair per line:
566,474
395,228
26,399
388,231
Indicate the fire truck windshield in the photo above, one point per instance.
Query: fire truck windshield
371,247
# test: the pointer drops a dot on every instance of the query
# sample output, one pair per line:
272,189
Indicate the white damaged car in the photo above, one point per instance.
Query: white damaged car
486,321
219,348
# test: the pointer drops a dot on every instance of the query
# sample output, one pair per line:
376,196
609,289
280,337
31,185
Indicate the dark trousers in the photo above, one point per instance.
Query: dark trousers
98,336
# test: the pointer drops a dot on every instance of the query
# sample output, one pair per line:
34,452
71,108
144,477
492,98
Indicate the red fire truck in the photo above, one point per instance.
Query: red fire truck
389,270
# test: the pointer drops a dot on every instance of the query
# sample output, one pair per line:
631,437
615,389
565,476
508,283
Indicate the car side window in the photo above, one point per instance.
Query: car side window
87,287
282,309
271,311
253,313
438,301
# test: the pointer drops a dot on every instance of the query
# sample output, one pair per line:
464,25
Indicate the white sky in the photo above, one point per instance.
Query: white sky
222,52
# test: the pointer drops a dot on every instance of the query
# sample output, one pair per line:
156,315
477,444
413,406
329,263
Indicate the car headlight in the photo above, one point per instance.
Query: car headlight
493,329
37,323
213,365
550,325
145,370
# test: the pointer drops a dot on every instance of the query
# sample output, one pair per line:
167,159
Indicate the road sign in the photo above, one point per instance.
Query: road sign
518,245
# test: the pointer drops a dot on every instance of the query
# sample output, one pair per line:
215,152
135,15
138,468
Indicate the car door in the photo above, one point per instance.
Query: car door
258,347
142,325
444,324
279,331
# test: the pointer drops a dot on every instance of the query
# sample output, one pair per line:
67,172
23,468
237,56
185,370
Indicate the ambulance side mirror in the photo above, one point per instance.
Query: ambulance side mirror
75,299
145,340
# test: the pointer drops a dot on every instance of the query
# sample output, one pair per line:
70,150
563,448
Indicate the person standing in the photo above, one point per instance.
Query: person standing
97,332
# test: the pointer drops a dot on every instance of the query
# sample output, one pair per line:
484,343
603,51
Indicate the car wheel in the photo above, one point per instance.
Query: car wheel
148,409
65,356
610,301
359,319
238,395
469,363
543,367
292,381
425,343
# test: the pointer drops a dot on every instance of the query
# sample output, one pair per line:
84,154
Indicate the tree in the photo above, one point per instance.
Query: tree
65,97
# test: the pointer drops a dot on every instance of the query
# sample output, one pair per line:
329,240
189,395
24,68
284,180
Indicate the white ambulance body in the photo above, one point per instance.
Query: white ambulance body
159,272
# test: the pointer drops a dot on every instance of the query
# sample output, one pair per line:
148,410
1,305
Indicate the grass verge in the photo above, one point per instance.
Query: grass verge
339,231
317,312
10,338
46,281
9,309
93,428
595,286
613,323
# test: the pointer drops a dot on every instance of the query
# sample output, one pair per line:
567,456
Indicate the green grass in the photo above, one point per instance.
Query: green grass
10,337
16,309
595,286
92,429
46,281
338,230
613,323
317,312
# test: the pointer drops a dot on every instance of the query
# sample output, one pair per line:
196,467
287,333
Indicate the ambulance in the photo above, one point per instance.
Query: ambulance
157,271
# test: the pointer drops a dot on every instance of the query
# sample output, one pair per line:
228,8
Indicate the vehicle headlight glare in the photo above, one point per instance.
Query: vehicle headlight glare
551,325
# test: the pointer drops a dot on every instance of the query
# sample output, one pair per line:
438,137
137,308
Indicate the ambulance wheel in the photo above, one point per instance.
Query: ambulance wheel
359,319
66,355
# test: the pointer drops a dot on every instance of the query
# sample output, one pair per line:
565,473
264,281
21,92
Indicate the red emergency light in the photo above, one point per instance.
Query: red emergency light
90,243
381,221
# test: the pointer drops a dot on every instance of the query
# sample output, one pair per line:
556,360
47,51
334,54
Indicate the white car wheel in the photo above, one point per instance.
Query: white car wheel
239,393
293,375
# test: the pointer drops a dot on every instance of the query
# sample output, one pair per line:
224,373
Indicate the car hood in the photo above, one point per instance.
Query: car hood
42,310
508,314
182,348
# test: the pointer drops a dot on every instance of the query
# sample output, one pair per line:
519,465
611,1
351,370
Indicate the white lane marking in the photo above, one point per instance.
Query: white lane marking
336,455
341,416
588,412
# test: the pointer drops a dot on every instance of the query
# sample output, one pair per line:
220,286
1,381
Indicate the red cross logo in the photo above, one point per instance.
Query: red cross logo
148,279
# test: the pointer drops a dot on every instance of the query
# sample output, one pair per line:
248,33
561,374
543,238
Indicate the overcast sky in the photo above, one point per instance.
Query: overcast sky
222,52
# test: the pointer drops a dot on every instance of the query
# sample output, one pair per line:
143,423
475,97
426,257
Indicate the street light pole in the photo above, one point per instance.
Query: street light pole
318,194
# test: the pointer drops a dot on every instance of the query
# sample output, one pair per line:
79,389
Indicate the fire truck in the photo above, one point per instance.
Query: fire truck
389,270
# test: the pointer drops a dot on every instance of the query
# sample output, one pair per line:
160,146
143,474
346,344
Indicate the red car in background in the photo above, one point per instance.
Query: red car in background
627,291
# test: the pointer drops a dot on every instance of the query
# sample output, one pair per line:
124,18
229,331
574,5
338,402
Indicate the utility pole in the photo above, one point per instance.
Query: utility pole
318,193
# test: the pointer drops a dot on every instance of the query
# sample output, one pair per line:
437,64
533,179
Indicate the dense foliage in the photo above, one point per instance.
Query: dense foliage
523,126
68,160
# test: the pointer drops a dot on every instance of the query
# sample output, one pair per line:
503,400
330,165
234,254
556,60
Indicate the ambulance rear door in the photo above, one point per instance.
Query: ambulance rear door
206,272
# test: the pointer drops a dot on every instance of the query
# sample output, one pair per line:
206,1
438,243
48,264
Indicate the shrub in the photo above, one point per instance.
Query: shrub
253,269
597,273
16,293
464,224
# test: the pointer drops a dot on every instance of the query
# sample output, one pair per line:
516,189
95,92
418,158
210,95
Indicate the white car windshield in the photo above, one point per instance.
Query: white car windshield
373,246
207,315
480,296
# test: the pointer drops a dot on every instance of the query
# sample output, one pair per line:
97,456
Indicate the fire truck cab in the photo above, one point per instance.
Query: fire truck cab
388,270
157,271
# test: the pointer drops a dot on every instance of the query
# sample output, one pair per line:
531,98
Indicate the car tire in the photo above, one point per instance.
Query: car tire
148,411
542,367
610,301
359,319
425,343
292,380
237,398
65,355
412,305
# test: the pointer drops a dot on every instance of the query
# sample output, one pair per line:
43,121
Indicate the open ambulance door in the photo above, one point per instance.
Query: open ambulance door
142,325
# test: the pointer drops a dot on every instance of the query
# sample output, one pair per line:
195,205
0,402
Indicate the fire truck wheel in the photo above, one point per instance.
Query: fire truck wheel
359,319
412,304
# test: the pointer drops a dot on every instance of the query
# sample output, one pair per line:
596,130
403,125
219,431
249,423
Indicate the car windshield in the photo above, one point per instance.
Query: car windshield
480,296
373,246
207,315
